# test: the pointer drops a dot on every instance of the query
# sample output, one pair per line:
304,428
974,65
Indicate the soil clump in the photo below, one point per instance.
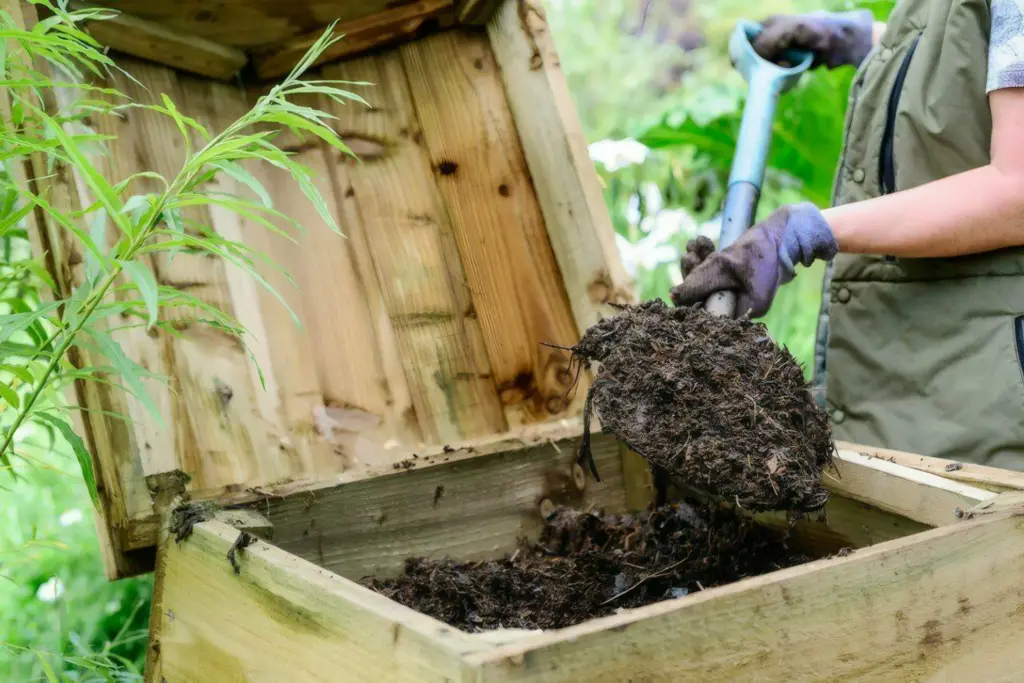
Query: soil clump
712,402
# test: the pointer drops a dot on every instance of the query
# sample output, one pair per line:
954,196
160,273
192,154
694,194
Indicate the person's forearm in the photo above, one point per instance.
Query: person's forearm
968,213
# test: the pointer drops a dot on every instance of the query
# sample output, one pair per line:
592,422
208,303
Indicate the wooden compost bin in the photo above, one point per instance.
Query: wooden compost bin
417,413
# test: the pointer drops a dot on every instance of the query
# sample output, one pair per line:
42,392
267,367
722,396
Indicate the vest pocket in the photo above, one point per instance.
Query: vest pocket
886,163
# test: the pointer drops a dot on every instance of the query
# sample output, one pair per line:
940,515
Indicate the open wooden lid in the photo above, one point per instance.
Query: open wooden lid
263,39
475,233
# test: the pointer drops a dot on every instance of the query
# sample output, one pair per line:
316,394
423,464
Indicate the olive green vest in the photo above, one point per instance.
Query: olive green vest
924,355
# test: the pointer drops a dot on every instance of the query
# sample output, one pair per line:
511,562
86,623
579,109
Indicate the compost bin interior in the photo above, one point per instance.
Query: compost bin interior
518,540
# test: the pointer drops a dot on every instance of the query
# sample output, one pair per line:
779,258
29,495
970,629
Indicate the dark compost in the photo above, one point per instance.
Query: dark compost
713,402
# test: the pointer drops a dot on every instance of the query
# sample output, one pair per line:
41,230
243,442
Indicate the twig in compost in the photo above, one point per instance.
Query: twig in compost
655,575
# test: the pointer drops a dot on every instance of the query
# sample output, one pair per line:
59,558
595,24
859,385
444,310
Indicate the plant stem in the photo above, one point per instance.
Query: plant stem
69,337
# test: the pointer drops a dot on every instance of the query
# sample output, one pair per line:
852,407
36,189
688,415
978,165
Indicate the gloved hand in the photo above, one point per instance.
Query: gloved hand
835,38
754,266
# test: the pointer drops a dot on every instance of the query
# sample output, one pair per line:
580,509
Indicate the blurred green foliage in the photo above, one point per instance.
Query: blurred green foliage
54,597
690,129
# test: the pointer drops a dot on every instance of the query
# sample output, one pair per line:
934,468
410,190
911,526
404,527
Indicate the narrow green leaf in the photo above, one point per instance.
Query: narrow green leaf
146,282
17,322
98,233
103,190
81,452
130,371
241,175
19,371
8,394
47,668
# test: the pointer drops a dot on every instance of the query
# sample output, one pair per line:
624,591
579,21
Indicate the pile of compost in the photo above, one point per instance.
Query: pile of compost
711,401
587,565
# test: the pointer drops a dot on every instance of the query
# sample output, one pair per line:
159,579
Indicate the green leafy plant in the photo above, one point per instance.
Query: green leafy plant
118,230
61,617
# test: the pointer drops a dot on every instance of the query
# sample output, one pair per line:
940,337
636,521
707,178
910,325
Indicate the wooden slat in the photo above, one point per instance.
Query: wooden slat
567,187
992,478
403,22
510,269
350,361
920,496
845,524
284,619
475,508
226,433
938,606
475,12
395,207
249,23
155,42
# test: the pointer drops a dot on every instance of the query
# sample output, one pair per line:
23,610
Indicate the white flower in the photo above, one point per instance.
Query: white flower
616,154
69,517
51,590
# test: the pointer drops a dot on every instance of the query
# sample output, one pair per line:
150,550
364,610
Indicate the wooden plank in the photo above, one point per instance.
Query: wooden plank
249,23
510,269
284,619
555,148
355,379
845,524
476,12
637,480
403,22
141,532
992,478
910,493
157,43
394,206
938,606
475,508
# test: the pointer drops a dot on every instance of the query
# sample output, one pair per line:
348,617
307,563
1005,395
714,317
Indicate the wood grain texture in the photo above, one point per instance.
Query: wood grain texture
502,240
938,606
476,12
343,366
249,24
920,496
555,149
401,22
475,508
992,478
284,619
393,204
157,43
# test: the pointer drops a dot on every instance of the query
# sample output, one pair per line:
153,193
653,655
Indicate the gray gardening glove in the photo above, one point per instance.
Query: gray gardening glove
755,265
835,38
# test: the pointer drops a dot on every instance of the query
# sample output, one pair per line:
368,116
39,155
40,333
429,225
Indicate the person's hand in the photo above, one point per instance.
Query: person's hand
754,266
835,38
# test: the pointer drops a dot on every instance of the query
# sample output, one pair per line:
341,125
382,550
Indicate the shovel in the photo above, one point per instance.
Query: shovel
765,82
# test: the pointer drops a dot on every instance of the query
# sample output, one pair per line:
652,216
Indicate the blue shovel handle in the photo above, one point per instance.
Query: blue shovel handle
765,82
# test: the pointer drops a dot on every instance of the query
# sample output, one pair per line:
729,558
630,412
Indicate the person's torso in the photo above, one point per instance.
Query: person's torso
925,354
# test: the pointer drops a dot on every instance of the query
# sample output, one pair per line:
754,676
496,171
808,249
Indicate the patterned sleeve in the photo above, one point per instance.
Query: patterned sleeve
1006,46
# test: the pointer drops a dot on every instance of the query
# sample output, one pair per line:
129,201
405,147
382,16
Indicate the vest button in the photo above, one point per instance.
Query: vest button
858,175
838,416
843,295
